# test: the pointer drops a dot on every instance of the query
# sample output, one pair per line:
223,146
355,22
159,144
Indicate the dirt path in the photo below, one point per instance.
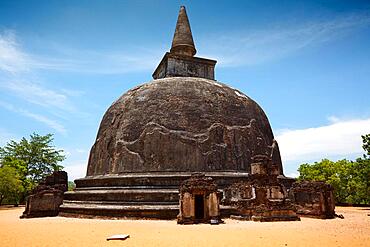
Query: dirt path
353,230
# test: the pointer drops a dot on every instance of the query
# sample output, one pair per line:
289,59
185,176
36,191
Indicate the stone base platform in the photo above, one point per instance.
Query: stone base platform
101,210
136,195
266,215
272,216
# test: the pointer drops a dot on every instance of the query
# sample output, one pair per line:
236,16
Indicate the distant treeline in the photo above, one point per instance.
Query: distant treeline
350,179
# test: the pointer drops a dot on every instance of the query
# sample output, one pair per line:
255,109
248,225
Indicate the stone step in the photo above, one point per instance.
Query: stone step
125,195
128,188
118,211
101,206
159,210
157,179
67,202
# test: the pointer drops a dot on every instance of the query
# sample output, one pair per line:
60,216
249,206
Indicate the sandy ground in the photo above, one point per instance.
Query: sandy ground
353,230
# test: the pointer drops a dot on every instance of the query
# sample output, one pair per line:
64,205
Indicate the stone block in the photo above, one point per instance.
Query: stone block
313,199
47,196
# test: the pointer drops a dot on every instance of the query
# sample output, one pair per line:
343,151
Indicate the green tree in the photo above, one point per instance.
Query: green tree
359,184
71,185
350,179
366,143
32,159
10,185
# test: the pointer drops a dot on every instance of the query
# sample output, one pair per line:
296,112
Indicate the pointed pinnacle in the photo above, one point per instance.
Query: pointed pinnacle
182,42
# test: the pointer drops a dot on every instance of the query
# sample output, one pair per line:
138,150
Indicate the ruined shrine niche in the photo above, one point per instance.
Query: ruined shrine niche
199,201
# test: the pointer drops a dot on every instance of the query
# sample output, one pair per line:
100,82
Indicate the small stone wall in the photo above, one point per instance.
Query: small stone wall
313,199
263,197
259,202
47,197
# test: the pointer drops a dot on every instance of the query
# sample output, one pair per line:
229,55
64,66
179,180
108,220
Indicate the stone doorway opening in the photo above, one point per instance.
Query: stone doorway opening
199,201
199,207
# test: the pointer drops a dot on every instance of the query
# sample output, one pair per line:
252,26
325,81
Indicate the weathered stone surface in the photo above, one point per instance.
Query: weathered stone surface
174,65
268,202
180,61
313,199
182,124
182,42
263,197
47,197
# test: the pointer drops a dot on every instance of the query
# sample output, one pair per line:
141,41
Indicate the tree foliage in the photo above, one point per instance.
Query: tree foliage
10,185
71,185
366,143
32,159
350,179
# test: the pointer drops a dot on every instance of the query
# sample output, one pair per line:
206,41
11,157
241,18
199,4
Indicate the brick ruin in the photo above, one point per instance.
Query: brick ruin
313,199
47,197
263,197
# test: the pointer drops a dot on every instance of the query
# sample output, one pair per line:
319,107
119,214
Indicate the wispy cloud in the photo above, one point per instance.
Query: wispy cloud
106,62
252,47
40,118
13,59
237,48
341,138
19,77
37,94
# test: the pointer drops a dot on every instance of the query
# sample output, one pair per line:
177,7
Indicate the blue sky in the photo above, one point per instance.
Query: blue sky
62,63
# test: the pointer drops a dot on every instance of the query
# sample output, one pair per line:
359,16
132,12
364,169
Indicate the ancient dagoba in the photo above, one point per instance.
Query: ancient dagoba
157,135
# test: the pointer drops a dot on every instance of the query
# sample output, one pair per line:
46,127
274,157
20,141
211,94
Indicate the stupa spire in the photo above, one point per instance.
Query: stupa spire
180,61
183,43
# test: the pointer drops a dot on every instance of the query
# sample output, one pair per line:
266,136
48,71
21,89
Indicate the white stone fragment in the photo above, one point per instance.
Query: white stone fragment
118,237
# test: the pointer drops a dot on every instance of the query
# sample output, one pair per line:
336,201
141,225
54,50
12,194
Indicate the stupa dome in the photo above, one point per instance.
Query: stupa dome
184,146
182,124
171,147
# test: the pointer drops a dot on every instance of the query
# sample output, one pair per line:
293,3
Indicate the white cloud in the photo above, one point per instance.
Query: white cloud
238,48
40,118
104,62
75,163
47,121
39,95
75,169
12,59
341,138
18,76
251,47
